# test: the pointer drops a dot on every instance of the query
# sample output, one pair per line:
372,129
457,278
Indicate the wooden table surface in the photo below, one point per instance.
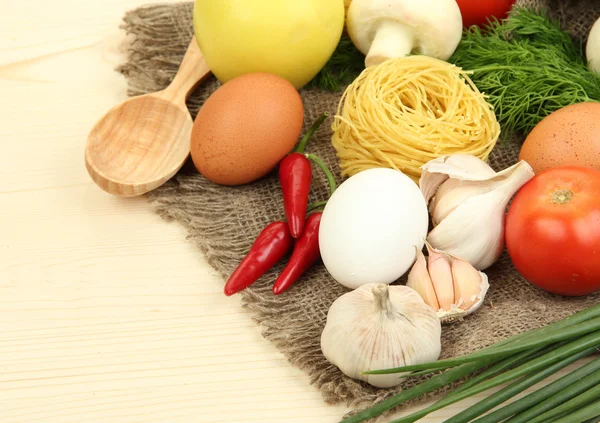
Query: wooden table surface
107,313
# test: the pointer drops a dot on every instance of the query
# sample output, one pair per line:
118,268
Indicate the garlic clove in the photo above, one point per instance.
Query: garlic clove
457,313
513,174
465,167
448,284
453,193
461,166
440,203
474,230
419,280
464,291
430,182
440,273
467,283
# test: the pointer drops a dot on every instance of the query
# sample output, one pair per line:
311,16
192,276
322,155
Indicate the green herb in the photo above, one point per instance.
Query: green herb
429,385
523,344
573,410
515,388
343,67
585,345
528,67
548,397
500,367
491,363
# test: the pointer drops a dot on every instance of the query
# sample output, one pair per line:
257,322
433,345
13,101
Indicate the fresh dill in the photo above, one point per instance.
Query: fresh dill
528,67
343,67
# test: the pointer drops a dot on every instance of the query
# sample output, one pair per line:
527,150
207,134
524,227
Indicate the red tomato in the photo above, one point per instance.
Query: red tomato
476,12
553,231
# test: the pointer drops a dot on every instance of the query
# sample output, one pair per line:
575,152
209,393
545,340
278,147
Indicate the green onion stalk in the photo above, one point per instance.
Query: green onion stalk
519,356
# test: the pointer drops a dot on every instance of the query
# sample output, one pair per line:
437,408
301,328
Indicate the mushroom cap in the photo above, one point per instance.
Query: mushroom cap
436,24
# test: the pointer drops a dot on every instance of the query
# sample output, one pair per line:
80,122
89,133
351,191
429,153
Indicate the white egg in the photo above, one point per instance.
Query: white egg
371,227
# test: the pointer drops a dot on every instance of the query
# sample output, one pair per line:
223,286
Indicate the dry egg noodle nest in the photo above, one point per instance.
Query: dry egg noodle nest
407,111
223,221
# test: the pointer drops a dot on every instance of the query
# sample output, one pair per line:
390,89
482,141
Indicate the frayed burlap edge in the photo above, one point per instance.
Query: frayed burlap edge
223,222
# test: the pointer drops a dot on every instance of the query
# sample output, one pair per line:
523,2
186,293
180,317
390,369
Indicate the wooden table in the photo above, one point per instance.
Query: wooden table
107,313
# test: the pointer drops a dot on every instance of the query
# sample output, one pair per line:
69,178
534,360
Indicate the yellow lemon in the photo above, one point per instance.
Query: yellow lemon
290,38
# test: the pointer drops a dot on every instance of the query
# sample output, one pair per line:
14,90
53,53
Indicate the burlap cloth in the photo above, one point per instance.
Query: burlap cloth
224,221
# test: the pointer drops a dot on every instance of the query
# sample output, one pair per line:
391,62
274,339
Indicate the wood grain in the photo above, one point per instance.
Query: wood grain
107,313
141,143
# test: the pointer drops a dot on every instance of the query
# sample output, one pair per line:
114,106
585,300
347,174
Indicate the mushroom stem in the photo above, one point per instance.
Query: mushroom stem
593,47
392,39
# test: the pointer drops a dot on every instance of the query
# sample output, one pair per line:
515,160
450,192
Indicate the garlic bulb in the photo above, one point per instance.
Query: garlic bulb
447,284
378,326
467,201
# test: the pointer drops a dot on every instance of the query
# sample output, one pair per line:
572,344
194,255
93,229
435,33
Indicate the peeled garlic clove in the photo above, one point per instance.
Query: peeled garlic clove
467,284
440,273
465,167
419,280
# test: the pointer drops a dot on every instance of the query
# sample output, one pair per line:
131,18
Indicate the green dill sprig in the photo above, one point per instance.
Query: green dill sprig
343,67
527,66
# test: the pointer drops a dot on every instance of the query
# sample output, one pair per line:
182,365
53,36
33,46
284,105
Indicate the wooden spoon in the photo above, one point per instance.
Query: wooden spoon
141,143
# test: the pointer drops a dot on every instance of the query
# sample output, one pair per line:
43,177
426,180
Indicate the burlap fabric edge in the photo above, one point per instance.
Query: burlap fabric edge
223,221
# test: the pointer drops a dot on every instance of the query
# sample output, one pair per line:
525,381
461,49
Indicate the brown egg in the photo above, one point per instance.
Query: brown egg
568,137
245,128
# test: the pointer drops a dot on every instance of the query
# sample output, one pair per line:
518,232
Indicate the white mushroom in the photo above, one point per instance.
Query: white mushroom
386,29
592,50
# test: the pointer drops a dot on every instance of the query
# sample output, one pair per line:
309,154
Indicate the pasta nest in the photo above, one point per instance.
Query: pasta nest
407,111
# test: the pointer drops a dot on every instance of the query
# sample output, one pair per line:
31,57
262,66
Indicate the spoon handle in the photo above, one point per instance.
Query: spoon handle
192,71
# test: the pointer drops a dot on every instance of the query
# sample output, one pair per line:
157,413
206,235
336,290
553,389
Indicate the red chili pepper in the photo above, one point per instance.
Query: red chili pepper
270,246
306,252
295,175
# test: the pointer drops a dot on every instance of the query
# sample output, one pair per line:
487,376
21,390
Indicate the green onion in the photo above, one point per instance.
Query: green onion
515,388
592,394
429,385
461,371
549,396
592,411
589,341
559,416
498,368
516,346
574,319
434,383
421,373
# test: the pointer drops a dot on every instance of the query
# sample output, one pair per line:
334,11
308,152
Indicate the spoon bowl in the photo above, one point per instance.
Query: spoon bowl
141,143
